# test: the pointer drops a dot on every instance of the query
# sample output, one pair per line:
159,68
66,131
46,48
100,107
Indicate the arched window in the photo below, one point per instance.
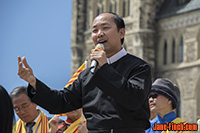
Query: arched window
173,51
100,8
165,54
113,6
124,8
180,50
128,8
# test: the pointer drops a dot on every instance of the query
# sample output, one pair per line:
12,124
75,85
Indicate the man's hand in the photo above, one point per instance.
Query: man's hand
82,128
53,122
99,56
25,72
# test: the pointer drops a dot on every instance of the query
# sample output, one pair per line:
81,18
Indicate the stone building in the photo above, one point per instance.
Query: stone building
165,33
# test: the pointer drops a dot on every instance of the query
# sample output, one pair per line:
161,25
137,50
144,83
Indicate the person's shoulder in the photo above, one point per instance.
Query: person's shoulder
179,120
152,122
18,121
134,58
135,62
155,120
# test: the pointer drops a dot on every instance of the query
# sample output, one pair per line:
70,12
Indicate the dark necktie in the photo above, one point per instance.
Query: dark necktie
29,127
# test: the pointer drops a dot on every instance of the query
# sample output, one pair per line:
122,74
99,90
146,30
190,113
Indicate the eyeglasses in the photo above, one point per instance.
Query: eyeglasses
17,110
153,95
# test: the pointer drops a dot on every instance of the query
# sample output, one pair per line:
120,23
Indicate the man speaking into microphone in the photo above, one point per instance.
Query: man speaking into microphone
94,63
113,96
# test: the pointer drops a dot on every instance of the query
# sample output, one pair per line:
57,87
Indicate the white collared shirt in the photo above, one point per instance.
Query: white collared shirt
117,56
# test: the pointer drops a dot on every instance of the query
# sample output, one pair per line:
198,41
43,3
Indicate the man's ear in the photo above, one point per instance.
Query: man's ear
169,101
122,32
35,105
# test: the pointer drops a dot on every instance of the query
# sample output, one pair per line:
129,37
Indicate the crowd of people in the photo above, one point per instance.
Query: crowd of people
117,98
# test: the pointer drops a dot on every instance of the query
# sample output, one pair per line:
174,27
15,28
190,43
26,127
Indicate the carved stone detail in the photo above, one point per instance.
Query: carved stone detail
180,21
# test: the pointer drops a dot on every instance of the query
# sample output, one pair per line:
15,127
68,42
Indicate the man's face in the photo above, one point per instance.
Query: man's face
75,114
24,108
159,103
104,30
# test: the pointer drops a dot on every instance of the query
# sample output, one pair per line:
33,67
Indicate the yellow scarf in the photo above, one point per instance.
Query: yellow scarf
73,128
178,121
41,124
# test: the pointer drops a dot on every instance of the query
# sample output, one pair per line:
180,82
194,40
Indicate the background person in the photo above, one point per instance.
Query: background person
163,98
6,112
70,125
31,119
114,98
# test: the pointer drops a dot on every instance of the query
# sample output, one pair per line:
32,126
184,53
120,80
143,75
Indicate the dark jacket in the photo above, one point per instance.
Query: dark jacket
115,97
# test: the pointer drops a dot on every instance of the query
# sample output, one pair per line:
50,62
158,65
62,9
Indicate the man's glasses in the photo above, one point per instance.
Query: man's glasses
17,110
153,95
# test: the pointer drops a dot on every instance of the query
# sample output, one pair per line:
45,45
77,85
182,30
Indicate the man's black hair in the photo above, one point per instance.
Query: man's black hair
119,22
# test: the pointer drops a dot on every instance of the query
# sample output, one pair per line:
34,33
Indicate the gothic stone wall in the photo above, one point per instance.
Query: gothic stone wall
185,74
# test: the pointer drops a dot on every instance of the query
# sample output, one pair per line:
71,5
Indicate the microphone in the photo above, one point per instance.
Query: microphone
94,63
198,123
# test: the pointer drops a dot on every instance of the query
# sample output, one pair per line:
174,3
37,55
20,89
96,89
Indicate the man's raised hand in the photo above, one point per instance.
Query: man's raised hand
25,72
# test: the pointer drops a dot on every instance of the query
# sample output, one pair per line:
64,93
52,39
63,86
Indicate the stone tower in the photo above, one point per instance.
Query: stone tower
165,33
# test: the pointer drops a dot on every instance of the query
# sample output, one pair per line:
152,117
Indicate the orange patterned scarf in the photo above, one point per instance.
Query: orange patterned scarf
41,124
